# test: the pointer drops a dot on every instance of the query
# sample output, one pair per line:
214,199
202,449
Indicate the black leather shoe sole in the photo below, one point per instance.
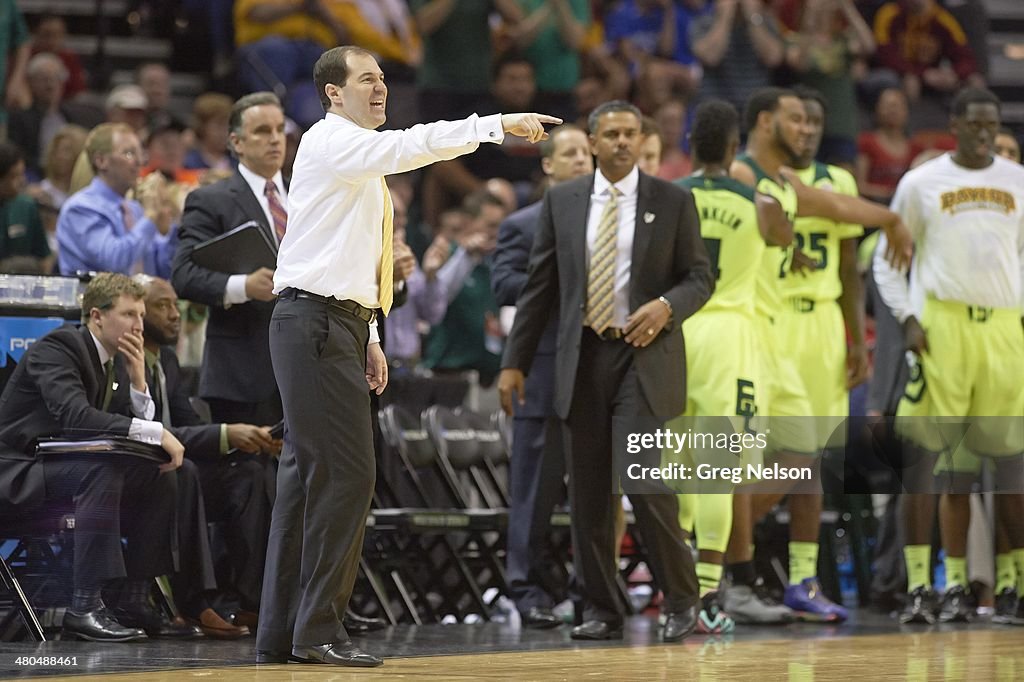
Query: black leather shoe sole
614,633
541,624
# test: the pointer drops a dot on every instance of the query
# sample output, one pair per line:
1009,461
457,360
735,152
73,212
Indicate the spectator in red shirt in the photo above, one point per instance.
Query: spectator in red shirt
885,153
915,40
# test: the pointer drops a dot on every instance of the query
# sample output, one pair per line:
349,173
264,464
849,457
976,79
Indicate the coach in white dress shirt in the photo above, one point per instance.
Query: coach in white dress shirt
334,275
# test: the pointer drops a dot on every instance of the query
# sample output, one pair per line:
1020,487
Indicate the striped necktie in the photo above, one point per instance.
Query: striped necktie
277,211
601,279
387,256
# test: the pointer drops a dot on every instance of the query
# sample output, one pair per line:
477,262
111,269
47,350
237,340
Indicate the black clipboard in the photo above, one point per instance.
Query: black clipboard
238,251
107,445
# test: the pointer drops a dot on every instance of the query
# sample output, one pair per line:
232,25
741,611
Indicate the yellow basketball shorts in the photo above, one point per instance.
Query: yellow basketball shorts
813,336
784,400
967,389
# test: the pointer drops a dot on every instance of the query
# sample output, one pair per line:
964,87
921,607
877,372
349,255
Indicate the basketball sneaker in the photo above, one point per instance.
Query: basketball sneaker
1006,606
920,607
956,606
810,603
712,619
747,608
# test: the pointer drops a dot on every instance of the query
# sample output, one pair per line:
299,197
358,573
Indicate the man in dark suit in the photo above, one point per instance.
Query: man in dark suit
621,253
537,463
64,385
206,445
237,379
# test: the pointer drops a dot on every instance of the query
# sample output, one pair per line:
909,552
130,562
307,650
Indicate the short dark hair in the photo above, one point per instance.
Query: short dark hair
611,107
475,202
969,96
10,155
332,67
762,99
714,122
547,147
809,94
508,58
253,99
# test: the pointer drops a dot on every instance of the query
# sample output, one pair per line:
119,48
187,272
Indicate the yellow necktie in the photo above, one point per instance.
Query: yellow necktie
387,256
601,279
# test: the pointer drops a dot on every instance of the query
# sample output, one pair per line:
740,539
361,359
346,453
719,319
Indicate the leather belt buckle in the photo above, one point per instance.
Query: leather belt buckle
611,334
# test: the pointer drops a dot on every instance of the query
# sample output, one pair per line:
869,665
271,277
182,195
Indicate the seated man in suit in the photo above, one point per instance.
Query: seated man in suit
208,445
61,388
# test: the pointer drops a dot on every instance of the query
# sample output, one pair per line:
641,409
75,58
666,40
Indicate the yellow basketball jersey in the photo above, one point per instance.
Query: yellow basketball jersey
728,225
819,238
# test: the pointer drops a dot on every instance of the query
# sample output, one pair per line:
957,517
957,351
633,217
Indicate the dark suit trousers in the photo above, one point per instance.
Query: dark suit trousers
240,492
196,572
536,485
606,387
325,477
116,496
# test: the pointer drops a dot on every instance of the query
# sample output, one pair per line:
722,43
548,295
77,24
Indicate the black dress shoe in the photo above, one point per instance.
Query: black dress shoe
679,624
539,618
597,629
345,653
156,623
357,625
100,626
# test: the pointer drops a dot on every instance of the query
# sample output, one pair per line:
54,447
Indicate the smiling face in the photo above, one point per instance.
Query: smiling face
615,141
363,97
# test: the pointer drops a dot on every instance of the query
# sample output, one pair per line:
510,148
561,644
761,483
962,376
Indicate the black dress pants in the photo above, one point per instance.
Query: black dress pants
115,496
325,478
607,386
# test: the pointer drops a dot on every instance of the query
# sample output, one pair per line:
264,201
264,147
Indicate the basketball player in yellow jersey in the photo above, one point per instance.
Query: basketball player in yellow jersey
721,339
777,131
963,325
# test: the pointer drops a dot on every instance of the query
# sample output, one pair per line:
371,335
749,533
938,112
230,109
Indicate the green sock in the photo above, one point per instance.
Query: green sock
919,573
956,572
708,575
1006,572
803,561
687,502
1018,562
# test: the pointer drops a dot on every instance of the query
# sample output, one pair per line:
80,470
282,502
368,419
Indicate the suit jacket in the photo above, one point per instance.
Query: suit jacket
201,441
236,359
509,267
57,388
669,259
24,125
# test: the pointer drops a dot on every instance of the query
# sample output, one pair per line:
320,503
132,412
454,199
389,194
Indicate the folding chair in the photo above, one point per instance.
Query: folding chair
418,541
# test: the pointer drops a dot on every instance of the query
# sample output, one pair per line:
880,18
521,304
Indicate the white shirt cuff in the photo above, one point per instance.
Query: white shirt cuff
143,406
234,292
489,128
146,431
374,334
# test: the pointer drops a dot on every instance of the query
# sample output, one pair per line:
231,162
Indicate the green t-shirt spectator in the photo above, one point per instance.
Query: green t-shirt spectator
21,230
13,34
556,65
457,56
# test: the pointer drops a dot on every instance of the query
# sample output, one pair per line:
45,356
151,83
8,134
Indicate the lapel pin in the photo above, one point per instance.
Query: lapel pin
114,387
648,218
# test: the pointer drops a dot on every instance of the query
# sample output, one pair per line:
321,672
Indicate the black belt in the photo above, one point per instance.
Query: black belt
609,334
348,305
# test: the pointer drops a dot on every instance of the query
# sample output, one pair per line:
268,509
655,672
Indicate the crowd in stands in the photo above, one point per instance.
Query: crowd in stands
100,181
